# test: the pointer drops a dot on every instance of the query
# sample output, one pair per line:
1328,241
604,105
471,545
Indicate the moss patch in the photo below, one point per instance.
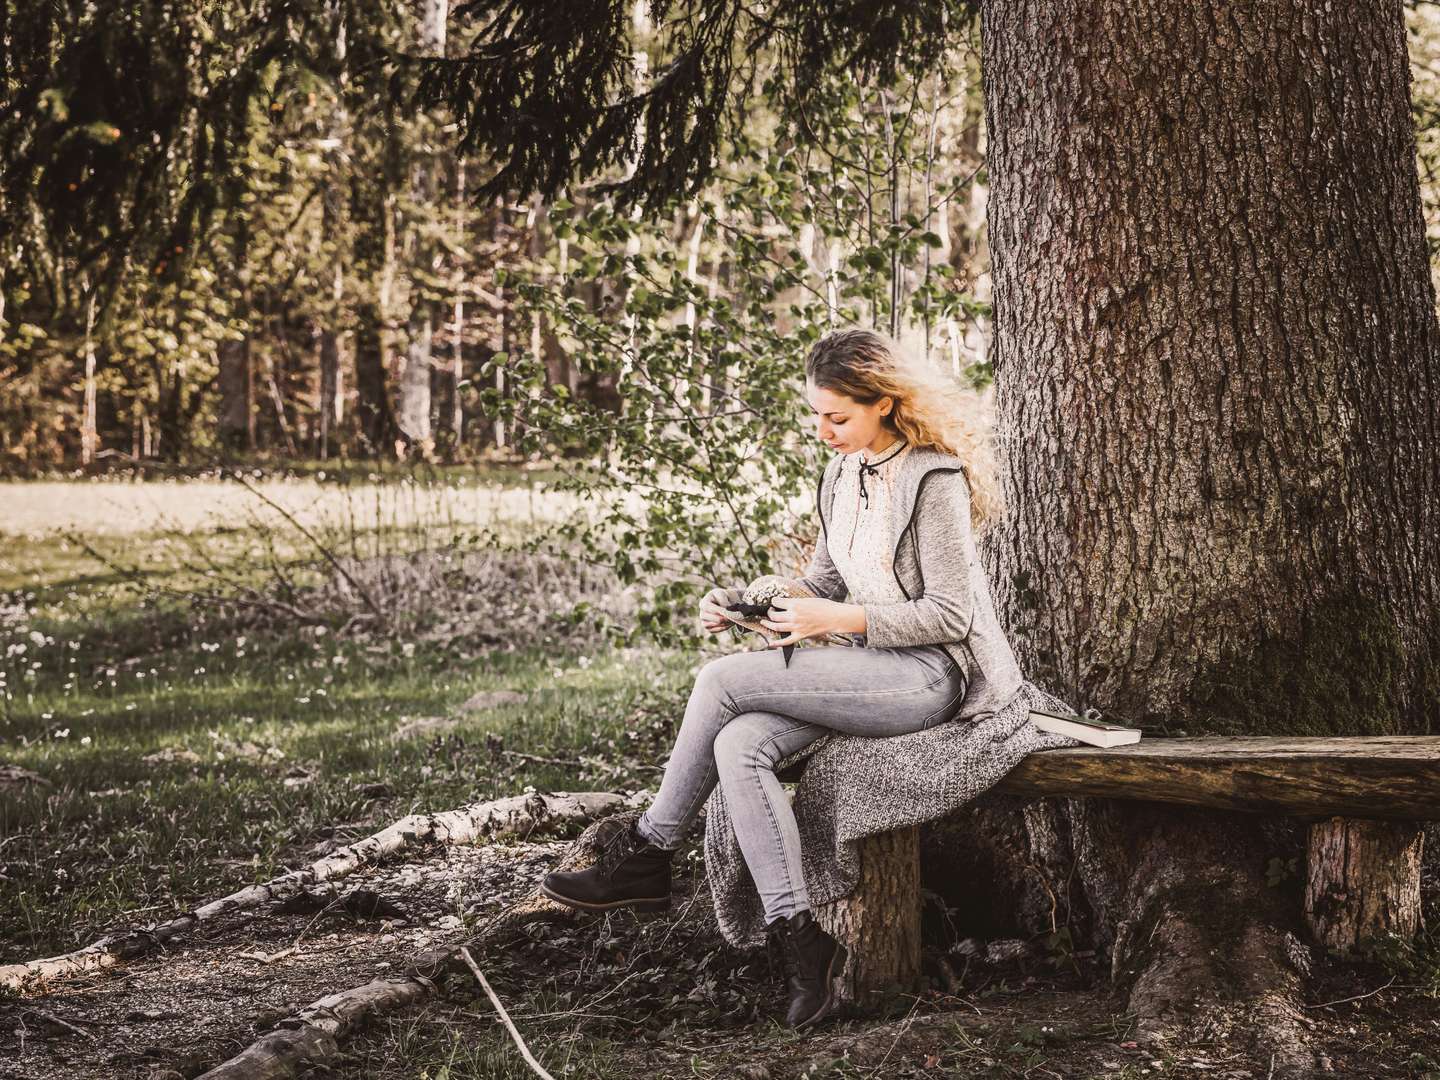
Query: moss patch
1343,674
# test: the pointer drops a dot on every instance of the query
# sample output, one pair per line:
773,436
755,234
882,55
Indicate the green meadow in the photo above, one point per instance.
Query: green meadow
173,751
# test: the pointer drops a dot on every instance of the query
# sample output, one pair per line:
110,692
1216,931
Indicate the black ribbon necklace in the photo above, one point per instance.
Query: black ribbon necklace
873,467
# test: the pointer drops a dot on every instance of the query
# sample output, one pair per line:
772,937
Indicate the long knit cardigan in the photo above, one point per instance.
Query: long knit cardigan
855,786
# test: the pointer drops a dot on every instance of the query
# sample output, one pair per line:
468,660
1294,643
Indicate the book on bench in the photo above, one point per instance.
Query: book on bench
1088,728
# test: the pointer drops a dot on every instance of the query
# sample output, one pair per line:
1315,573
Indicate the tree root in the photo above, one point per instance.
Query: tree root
518,815
313,1033
1201,944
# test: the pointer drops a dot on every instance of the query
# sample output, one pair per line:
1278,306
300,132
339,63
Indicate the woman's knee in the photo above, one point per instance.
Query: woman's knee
747,740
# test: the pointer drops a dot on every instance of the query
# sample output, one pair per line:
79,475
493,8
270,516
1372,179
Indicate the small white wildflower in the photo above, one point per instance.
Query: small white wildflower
63,733
85,740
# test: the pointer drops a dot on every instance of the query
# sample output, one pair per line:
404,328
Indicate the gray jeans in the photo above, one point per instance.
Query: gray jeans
748,711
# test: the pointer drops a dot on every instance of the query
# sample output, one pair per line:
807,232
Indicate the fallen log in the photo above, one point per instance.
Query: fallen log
519,816
312,1035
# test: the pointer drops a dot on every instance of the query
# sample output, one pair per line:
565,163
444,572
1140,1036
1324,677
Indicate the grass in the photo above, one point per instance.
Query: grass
117,832
184,758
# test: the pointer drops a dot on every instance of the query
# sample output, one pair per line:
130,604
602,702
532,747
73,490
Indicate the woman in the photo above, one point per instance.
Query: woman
911,462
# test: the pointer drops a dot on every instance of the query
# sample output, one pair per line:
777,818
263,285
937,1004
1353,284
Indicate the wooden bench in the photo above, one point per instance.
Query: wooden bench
1367,798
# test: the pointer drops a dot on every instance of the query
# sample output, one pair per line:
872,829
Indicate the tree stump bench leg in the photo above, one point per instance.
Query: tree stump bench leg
879,923
1362,881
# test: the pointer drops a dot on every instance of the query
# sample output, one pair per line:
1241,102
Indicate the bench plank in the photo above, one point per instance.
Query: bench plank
1393,777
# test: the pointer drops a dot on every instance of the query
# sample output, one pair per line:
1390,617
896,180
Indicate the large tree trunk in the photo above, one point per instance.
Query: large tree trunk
1216,343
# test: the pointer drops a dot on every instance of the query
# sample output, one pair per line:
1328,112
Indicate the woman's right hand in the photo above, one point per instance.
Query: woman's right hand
711,616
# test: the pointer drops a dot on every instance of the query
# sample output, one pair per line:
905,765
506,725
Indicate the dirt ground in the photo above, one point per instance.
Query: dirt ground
629,996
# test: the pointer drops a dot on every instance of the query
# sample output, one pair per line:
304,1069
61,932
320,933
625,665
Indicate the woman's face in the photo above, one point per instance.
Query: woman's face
843,423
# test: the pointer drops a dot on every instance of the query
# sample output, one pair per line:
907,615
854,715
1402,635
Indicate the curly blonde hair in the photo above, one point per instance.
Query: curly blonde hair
931,409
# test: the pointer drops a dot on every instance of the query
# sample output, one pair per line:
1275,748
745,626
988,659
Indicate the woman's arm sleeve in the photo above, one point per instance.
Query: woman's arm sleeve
947,607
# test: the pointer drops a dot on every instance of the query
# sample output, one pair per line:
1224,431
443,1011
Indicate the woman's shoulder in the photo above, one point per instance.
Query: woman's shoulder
940,470
944,493
923,459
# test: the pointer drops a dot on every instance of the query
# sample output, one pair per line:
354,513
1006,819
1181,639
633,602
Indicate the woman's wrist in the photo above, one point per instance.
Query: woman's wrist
850,619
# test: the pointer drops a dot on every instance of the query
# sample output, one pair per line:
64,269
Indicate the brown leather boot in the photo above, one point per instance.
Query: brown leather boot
811,959
630,871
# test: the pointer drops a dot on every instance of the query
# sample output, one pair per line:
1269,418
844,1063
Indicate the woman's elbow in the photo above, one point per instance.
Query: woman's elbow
955,619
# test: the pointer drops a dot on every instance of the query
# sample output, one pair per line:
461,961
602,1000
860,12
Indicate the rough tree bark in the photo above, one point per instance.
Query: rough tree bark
1216,344
1362,881
879,923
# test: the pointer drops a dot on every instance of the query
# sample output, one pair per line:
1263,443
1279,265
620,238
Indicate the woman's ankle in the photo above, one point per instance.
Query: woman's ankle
646,830
771,920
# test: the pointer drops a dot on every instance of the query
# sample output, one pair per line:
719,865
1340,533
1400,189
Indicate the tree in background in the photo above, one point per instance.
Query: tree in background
246,259
815,219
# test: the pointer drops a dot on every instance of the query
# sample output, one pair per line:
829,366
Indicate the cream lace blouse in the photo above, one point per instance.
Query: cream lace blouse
861,539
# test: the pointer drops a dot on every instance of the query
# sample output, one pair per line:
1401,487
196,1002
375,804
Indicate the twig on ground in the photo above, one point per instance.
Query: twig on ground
590,1006
51,1018
325,553
504,1016
1357,997
571,762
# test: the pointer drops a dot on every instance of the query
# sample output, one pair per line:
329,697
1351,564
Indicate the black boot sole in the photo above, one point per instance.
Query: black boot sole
641,903
837,964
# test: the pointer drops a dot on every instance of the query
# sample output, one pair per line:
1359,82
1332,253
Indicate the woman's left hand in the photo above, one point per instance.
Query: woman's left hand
800,617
